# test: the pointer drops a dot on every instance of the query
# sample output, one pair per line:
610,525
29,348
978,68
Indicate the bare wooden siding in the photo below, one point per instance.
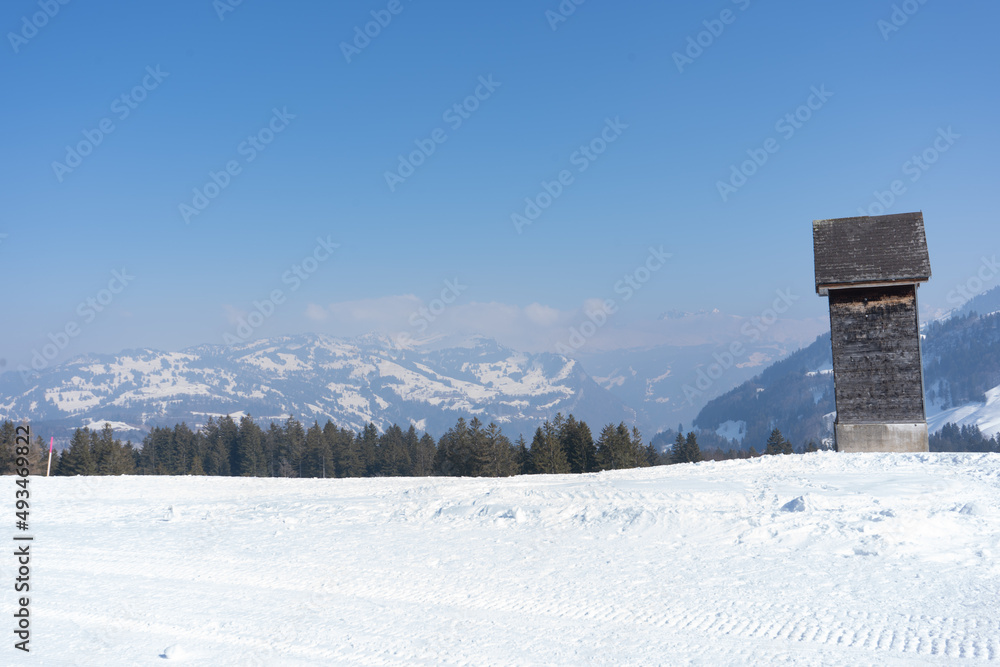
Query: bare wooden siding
876,355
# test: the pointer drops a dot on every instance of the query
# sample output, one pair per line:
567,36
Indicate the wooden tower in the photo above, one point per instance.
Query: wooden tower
870,269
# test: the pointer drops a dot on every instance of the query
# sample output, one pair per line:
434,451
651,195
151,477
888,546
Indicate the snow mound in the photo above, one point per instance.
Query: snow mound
796,505
174,652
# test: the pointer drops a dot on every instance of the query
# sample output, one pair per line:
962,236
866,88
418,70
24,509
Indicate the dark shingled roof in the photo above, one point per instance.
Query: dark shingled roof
858,251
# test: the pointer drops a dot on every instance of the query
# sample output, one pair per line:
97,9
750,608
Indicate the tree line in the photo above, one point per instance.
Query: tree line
955,438
468,449
225,447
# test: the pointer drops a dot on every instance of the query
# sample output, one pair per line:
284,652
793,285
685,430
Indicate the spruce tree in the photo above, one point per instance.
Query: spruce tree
579,446
678,453
606,448
693,451
367,448
295,445
642,459
185,444
196,467
315,453
686,449
547,455
454,452
78,459
478,454
250,449
346,455
523,456
8,440
216,458
228,433
776,444
500,458
423,459
393,452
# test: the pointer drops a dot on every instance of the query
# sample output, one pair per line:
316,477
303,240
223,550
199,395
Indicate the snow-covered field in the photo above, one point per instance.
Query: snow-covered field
824,559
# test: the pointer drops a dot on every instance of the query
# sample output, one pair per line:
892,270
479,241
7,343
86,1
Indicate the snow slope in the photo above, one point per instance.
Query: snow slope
984,415
824,559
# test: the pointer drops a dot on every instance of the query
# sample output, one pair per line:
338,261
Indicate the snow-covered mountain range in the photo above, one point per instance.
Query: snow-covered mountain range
313,377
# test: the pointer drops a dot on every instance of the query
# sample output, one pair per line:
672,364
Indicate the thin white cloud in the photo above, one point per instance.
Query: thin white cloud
537,327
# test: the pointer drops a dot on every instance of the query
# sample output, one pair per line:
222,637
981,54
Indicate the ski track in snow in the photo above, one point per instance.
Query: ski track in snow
824,559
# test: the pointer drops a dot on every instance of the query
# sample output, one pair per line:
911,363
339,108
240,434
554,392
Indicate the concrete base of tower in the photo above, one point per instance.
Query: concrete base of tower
882,437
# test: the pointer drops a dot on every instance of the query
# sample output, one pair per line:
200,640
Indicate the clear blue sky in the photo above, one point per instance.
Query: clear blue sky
324,173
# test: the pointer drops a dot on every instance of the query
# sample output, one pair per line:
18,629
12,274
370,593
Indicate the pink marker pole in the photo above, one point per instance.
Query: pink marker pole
52,439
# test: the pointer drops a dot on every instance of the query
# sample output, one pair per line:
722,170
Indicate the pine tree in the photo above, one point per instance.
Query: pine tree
78,459
315,453
295,445
344,450
606,448
393,452
454,452
547,455
523,457
652,456
776,444
423,459
216,458
692,449
578,443
500,460
228,435
479,456
678,454
639,450
103,446
686,449
367,448
249,450
196,467
8,440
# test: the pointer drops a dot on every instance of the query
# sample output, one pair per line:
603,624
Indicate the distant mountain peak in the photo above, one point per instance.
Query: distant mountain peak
370,378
